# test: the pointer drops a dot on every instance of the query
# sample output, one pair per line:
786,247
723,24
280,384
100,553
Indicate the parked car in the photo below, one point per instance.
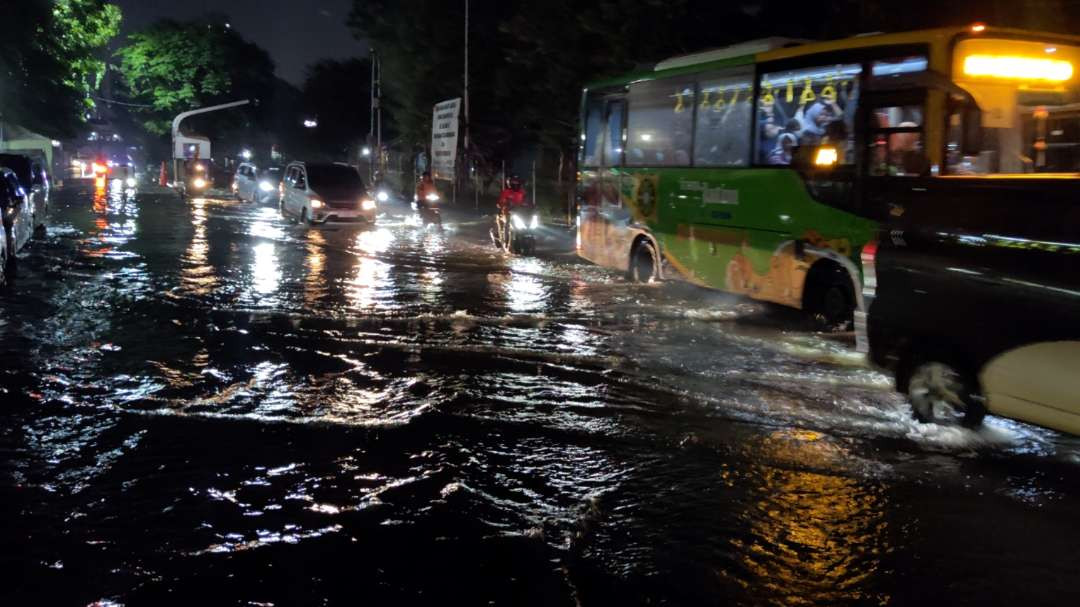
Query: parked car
17,218
318,193
973,299
34,181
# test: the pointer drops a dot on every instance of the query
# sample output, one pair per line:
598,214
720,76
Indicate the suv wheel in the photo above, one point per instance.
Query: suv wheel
941,394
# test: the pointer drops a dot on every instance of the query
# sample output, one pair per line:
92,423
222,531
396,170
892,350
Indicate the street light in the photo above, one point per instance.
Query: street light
246,154
310,123
366,151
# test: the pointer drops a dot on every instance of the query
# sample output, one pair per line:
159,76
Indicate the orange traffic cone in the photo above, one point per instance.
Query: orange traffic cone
163,177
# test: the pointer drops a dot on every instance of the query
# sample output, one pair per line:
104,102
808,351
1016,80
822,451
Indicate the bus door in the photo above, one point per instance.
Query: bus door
611,179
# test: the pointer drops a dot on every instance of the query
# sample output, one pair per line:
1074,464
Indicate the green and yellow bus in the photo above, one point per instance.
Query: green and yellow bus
765,167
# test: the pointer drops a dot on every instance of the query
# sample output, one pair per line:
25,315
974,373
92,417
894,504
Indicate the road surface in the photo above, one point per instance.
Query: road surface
206,404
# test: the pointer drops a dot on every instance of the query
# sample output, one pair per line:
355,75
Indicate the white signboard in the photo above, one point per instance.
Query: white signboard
191,146
444,134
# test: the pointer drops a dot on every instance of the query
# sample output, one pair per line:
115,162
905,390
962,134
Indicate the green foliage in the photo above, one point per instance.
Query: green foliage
50,61
176,66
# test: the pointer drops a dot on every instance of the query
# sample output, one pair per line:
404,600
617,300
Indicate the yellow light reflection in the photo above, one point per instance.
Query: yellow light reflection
315,281
815,538
197,275
369,276
1012,67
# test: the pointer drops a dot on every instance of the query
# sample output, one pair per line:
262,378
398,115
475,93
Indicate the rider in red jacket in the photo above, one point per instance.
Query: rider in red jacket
511,197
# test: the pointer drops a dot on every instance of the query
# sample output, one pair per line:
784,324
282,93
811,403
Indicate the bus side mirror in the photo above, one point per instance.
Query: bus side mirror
972,131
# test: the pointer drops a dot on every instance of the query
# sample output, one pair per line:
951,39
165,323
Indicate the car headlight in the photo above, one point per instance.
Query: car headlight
382,196
266,186
535,223
130,182
316,203
367,204
198,182
432,197
518,223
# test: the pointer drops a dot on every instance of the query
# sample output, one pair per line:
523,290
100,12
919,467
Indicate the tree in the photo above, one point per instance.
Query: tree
50,62
176,66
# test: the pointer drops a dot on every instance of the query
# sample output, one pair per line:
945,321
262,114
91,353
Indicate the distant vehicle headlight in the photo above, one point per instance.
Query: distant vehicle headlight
519,224
199,183
383,196
130,181
367,204
266,186
432,197
316,203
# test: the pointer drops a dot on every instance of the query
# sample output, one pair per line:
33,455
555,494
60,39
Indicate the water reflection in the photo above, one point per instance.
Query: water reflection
265,273
315,261
814,538
197,275
525,292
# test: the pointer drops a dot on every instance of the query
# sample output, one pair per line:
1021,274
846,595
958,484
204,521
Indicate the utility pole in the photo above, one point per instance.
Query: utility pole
378,113
372,105
468,171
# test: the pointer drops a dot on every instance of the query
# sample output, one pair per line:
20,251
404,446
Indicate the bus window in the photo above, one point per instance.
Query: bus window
896,141
660,123
805,107
613,139
722,131
594,124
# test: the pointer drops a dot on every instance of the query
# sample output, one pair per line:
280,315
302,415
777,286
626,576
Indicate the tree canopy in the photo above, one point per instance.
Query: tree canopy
176,66
50,61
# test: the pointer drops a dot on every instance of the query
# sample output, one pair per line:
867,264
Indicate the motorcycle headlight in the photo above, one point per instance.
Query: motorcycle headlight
535,223
367,204
382,196
266,186
130,182
199,183
517,221
432,197
316,203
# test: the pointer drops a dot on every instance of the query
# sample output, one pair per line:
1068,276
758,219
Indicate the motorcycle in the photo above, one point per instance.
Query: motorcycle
520,227
428,209
196,181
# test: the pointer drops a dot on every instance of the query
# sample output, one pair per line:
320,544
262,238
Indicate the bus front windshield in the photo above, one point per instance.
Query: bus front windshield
1029,95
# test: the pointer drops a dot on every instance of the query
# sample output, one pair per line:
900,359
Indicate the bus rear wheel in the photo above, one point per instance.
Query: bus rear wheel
830,298
941,394
643,262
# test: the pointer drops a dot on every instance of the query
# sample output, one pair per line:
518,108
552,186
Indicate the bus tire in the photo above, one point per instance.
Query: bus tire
643,262
829,297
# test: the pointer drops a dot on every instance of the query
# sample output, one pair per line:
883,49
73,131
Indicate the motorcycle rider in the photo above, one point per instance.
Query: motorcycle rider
511,197
425,186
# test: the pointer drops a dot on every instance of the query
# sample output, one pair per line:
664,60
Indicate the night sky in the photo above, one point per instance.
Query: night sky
296,33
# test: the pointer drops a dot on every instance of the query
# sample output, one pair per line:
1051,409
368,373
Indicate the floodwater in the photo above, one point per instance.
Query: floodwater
205,404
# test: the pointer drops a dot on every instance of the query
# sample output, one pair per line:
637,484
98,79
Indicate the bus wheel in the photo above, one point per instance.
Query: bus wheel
830,299
940,394
643,262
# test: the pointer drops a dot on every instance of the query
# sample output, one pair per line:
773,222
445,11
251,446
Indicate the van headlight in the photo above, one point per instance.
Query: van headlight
316,203
517,221
367,204
266,186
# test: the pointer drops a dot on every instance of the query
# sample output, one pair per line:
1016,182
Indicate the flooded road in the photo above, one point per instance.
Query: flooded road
205,404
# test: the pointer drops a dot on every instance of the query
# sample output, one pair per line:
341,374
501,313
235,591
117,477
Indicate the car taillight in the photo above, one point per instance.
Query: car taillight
869,260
